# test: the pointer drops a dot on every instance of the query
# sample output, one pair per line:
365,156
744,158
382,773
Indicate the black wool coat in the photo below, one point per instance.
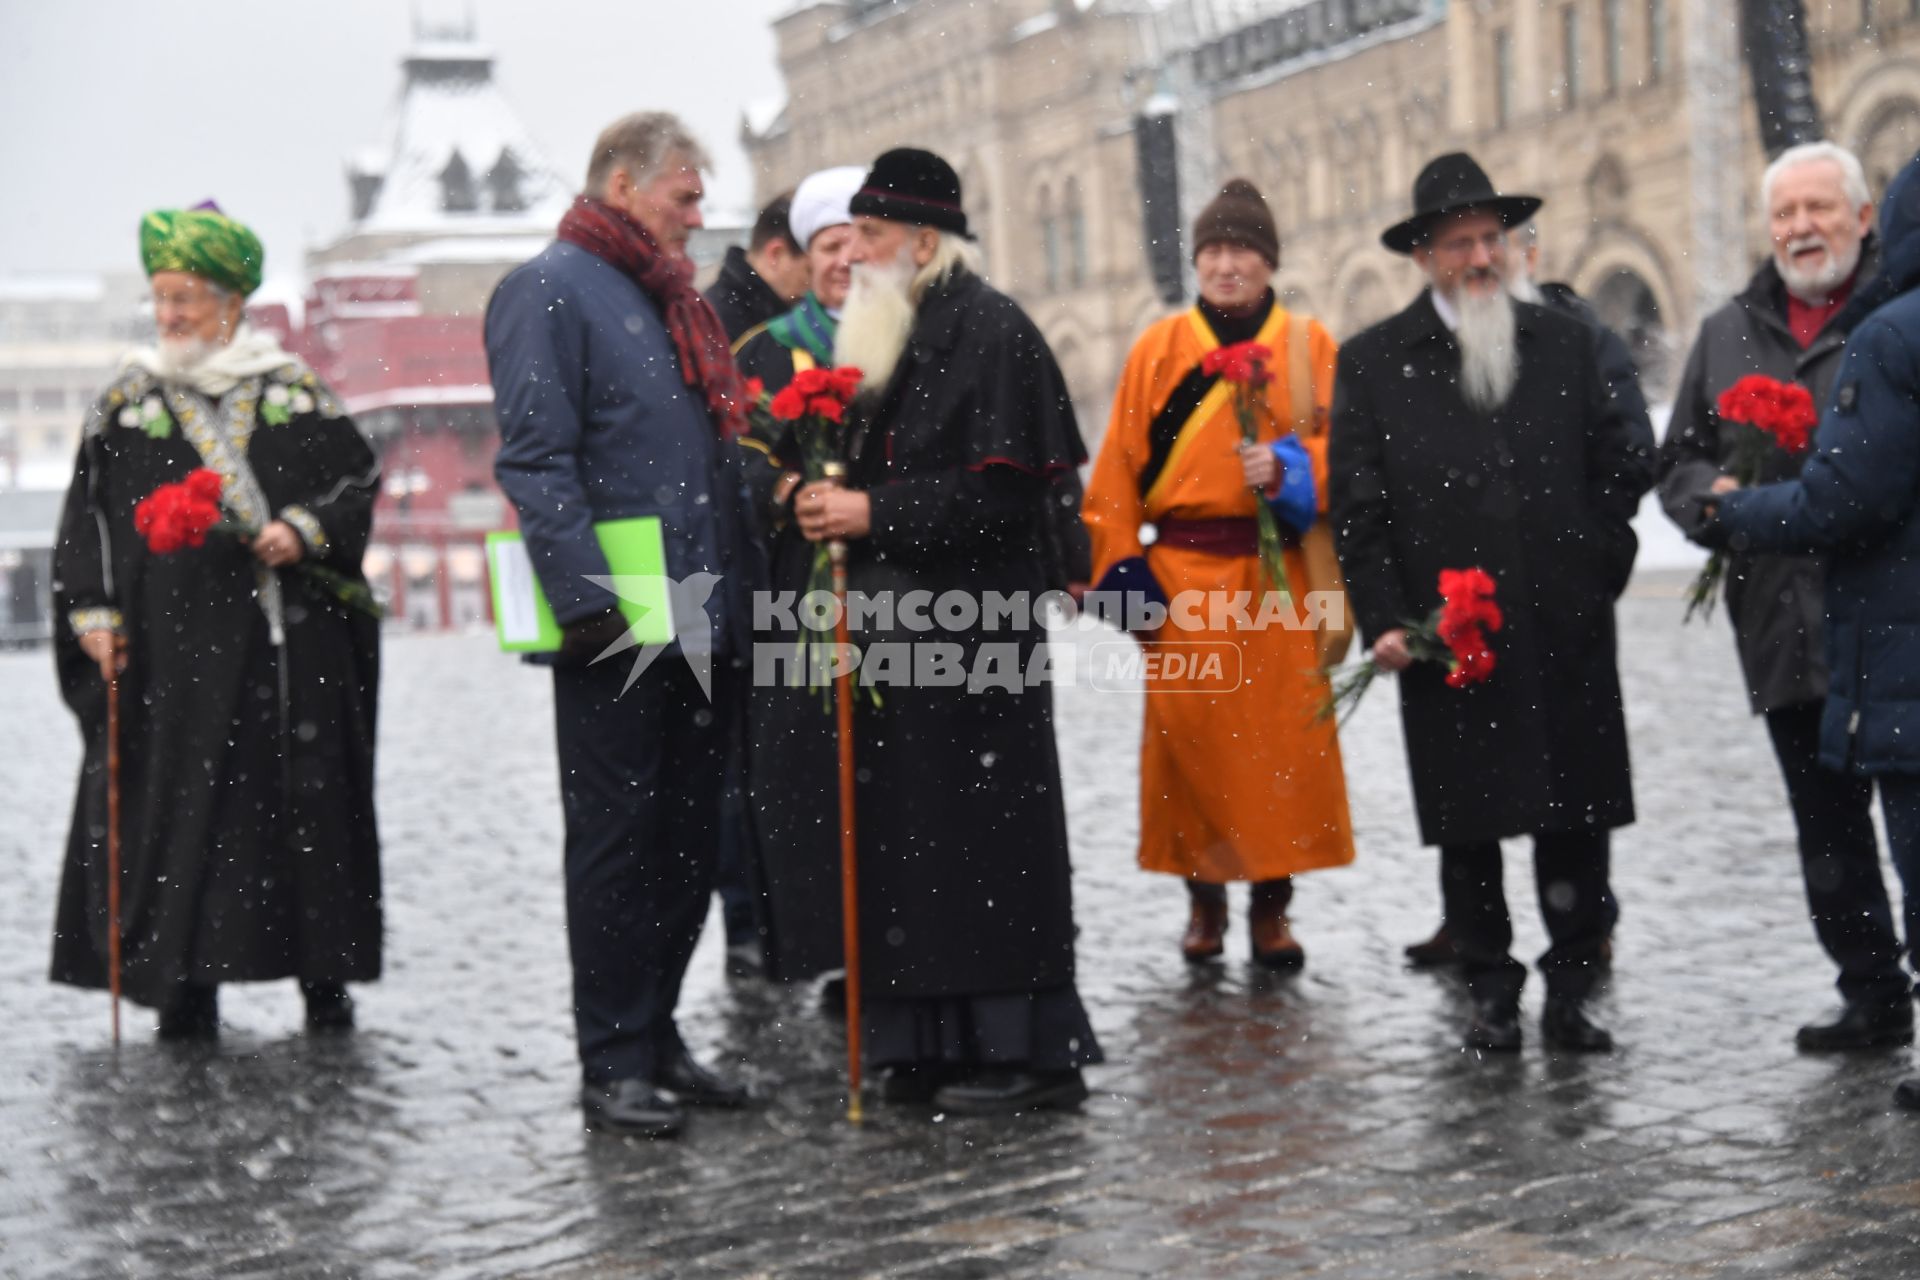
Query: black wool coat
964,879
1539,494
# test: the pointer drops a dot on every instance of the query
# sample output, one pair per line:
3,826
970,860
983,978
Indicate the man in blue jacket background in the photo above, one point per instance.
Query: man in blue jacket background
617,398
1858,499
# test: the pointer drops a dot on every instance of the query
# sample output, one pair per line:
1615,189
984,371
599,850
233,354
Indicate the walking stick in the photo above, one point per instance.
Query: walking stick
849,859
113,849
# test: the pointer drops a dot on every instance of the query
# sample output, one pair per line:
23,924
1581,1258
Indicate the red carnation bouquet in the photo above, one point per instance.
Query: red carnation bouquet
1247,367
1781,415
1455,635
812,409
182,514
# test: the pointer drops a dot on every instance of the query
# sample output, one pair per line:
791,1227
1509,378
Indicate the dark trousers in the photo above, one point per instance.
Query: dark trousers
738,909
641,777
1839,861
1570,877
1277,894
1900,801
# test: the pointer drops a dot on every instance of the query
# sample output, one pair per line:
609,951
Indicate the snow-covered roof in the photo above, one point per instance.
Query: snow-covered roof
450,106
52,288
466,249
761,115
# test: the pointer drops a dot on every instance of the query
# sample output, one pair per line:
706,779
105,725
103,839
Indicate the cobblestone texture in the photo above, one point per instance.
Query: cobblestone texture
1249,1125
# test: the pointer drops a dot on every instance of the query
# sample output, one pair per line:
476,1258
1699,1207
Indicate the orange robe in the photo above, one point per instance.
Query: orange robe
1243,784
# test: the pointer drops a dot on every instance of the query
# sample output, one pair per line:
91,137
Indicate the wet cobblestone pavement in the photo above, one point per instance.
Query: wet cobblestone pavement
1324,1124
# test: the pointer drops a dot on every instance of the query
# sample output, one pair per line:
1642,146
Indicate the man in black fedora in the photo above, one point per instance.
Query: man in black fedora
966,904
1476,431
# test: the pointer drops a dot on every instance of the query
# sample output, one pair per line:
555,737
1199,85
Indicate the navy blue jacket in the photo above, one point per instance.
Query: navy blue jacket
1858,498
597,423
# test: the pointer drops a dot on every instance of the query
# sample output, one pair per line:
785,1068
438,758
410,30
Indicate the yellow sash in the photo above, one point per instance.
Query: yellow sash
1214,401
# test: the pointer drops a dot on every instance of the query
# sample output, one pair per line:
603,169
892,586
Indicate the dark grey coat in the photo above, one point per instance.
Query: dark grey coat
1776,602
1540,495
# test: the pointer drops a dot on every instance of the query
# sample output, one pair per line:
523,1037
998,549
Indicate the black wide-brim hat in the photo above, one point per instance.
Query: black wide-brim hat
913,186
1447,185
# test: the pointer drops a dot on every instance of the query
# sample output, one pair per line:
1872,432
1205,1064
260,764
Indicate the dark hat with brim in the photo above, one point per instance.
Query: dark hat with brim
1451,184
913,186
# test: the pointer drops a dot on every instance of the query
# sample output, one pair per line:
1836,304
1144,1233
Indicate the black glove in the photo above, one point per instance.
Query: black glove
587,638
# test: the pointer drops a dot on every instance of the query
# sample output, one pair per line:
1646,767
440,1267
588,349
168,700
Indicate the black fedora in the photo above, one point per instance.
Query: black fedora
1447,185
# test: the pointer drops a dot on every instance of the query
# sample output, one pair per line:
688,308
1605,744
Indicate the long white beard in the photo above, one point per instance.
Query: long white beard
1818,284
877,319
1489,356
181,356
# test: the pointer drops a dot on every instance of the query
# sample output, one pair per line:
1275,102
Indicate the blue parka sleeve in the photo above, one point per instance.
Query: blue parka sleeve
1860,484
534,351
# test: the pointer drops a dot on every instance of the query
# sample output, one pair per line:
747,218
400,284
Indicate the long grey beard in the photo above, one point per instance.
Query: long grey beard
1489,356
876,322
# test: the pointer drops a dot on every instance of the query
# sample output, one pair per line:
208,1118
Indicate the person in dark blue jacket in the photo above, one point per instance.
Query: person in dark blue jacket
617,398
1858,500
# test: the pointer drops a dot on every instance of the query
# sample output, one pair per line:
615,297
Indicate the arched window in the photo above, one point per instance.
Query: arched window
1049,242
457,192
1076,235
503,184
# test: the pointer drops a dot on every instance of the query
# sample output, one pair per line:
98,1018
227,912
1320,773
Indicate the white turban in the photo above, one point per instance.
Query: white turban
821,201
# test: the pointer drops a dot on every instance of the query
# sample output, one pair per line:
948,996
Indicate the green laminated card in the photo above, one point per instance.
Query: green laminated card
522,618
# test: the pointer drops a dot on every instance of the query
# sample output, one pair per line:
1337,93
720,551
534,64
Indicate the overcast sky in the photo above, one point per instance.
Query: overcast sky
111,107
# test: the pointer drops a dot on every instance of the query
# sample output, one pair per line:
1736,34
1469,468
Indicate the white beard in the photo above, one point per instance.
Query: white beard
181,356
1817,285
876,320
1489,356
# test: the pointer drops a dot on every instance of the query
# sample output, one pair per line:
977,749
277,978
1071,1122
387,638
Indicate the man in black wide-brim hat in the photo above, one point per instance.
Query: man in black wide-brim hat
1469,431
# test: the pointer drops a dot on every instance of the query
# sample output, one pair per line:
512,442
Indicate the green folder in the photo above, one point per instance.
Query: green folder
522,618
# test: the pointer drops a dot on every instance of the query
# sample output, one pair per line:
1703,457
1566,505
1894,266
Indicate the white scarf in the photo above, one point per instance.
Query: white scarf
250,354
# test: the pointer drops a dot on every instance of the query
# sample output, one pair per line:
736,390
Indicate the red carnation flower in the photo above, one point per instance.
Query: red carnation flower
1243,364
179,515
1784,410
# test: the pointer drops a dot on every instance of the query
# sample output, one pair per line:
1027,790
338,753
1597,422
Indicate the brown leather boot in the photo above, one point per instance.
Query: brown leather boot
1438,952
1206,934
1273,944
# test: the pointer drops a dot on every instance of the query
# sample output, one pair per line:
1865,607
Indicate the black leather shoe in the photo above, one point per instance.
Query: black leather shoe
1907,1093
1438,952
696,1086
908,1086
1001,1092
1565,1025
631,1107
193,1015
1859,1026
1495,1027
833,997
329,1007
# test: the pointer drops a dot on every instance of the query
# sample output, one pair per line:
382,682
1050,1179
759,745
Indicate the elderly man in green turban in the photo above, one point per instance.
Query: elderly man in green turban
246,657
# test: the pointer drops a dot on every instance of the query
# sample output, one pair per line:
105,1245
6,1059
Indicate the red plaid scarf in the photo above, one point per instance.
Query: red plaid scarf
705,360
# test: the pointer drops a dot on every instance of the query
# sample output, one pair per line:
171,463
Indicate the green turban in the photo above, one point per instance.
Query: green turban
204,242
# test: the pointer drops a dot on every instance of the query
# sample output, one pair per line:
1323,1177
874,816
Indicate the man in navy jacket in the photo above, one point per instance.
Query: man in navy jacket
1858,499
616,397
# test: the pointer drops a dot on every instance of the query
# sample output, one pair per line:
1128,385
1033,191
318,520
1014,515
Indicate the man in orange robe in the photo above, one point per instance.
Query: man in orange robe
1240,778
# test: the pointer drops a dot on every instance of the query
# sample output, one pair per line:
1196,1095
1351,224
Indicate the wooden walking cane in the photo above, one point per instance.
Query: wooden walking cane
849,857
113,848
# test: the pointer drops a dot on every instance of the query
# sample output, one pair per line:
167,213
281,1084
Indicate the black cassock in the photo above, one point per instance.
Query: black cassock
967,935
1540,495
247,822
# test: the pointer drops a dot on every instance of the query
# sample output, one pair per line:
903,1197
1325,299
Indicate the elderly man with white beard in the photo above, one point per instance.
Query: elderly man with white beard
1474,431
1786,325
966,913
1622,377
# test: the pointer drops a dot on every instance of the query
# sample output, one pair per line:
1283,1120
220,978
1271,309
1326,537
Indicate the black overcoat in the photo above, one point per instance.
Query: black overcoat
964,879
1539,494
248,836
